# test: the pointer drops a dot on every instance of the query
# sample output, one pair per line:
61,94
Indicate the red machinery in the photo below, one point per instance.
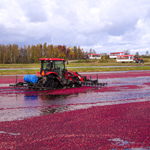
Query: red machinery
53,75
137,59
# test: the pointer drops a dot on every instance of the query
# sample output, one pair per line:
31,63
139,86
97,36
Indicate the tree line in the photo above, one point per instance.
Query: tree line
11,53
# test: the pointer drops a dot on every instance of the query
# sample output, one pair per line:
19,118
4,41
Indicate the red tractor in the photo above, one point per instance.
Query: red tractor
86,57
137,59
53,75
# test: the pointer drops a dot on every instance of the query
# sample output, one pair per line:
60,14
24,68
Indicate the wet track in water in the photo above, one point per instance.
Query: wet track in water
116,116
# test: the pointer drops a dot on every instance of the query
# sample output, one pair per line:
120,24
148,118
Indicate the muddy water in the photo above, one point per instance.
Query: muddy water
17,104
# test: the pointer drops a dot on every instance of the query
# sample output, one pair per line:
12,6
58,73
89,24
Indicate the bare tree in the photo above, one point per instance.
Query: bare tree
92,51
137,54
147,53
126,52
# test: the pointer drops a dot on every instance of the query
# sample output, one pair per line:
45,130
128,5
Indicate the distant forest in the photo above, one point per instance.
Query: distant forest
12,53
31,54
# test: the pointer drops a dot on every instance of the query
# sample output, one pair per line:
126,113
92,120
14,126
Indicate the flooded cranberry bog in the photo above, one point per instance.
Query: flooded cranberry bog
116,116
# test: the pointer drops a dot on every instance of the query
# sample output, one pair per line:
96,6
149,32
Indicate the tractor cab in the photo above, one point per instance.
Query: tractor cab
52,66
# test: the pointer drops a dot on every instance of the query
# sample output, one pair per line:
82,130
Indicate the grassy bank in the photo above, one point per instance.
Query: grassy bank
110,69
89,62
33,65
77,63
105,62
34,71
102,64
15,72
72,64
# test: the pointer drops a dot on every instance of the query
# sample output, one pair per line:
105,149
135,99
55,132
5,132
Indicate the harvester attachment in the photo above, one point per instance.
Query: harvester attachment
90,82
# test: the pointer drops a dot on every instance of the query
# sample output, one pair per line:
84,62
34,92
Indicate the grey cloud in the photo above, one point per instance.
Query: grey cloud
101,25
34,10
148,13
120,28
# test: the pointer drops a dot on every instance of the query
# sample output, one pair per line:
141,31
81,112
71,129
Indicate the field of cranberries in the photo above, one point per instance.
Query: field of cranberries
113,117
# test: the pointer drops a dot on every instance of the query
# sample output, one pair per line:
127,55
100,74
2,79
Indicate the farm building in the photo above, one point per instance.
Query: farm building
115,54
94,56
124,58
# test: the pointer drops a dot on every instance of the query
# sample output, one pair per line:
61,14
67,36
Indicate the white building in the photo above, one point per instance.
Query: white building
115,54
94,56
125,58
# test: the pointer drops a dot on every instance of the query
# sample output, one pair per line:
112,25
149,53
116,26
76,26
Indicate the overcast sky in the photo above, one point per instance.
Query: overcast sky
103,25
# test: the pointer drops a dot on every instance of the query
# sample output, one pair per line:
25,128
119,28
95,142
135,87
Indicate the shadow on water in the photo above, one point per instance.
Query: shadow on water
53,97
50,109
50,104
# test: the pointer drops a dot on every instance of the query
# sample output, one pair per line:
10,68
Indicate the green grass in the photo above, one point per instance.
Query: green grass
146,60
110,69
34,71
95,61
33,65
102,64
78,63
15,72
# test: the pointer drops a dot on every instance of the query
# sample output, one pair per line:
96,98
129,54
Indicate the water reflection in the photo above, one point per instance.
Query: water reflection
53,110
53,97
30,97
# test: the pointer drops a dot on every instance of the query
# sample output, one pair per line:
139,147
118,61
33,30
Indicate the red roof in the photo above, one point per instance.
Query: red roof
116,52
123,55
93,54
52,59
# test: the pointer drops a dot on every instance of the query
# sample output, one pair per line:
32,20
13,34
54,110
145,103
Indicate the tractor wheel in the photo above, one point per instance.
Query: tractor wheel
78,85
52,84
40,84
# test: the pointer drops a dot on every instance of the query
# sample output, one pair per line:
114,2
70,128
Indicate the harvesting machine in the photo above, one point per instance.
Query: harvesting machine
137,59
54,75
